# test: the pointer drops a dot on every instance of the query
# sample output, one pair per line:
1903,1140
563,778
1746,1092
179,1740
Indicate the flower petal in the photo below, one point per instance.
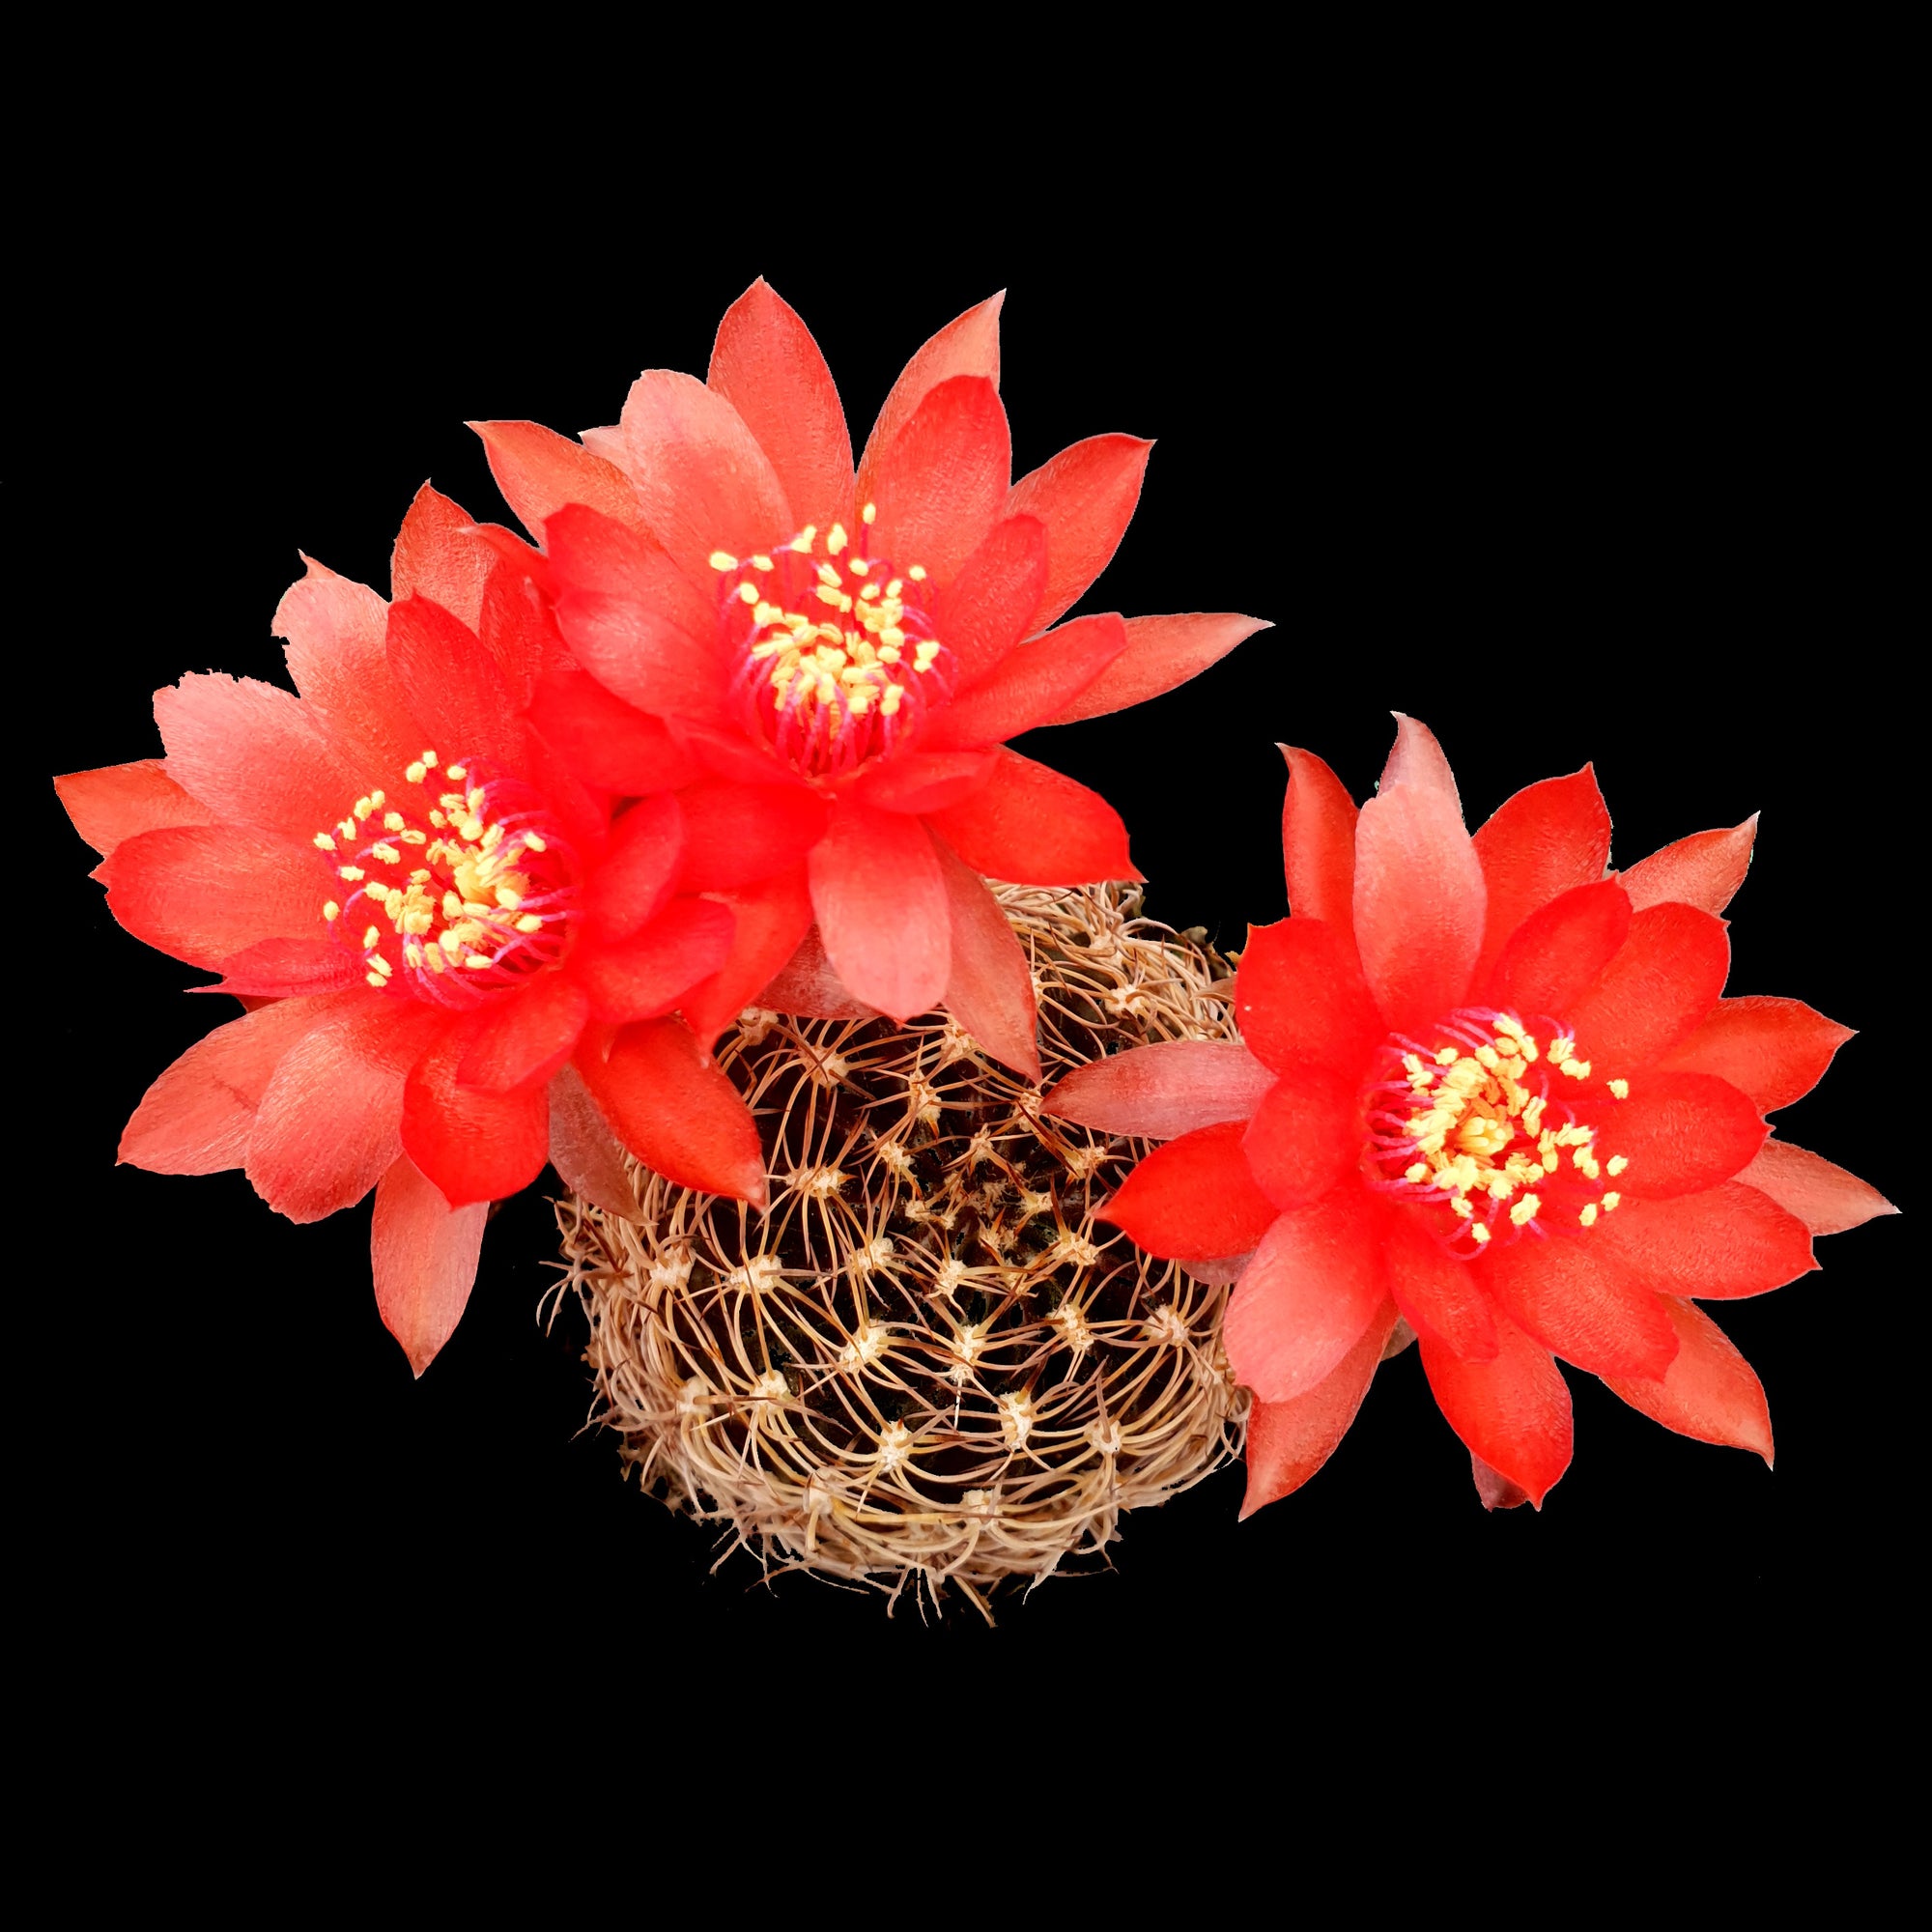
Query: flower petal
338,654
1726,1243
1441,1296
650,972
941,484
1029,683
988,607
1513,1412
1581,1302
1825,1197
1775,1050
518,630
276,968
475,1144
1298,996
1419,894
456,690
702,482
639,869
1561,951
424,1256
205,893
1315,1282
988,981
116,802
880,899
673,1108
1160,1092
1708,1392
1496,1489
638,653
439,555
329,1123
539,471
197,1117
1032,826
968,345
1086,498
1305,1136
1546,840
1161,654
806,985
923,781
736,834
1679,1132
252,754
591,552
522,1041
1704,871
1318,845
586,1153
767,365
607,743
1663,981
1287,1442
1193,1199
771,917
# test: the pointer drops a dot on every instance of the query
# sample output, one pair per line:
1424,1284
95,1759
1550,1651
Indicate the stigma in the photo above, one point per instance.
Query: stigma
838,662
454,888
1476,1122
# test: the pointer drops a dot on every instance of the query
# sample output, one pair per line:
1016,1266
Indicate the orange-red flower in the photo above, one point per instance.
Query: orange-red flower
442,938
1493,1090
838,654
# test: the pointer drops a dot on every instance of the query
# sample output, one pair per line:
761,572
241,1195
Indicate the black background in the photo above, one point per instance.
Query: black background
1570,478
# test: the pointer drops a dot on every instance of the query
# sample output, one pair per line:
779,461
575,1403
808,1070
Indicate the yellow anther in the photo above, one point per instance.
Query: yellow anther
378,799
723,560
363,806
747,593
393,822
1524,1210
330,911
370,938
474,960
452,906
529,923
894,589
1620,1087
859,566
826,594
1610,1200
428,759
387,853
1588,1214
1479,1233
349,872
1578,1070
459,773
801,543
1504,1024
432,956
1417,1171
376,980
868,514
762,564
532,843
1490,1056
437,819
413,836
508,899
1617,1162
450,941
834,538
416,773
346,829
1562,1049
891,700
323,843
382,966
916,573
1461,1205
1447,1057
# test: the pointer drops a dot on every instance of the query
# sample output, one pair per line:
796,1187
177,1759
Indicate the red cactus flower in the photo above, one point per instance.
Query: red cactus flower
1494,1091
434,924
838,656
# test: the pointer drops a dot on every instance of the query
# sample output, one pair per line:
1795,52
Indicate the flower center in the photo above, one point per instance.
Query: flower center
1479,1124
458,895
838,659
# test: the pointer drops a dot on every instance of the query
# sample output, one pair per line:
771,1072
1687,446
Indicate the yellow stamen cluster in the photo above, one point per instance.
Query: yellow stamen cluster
455,900
852,653
1479,1132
